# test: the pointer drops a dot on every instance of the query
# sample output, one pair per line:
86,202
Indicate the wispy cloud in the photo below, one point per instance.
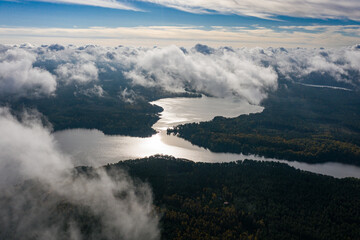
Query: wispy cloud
324,9
289,36
30,152
96,3
266,9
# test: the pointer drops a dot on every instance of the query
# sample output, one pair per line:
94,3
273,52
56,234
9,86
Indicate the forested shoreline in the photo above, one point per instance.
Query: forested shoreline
299,123
247,200
110,113
238,200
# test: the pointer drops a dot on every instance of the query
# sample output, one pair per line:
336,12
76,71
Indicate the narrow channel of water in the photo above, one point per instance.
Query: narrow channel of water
92,147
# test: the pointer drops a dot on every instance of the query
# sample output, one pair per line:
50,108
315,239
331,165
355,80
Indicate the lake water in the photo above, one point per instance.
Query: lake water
92,147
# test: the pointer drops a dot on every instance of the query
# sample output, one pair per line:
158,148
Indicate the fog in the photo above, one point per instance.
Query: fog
36,178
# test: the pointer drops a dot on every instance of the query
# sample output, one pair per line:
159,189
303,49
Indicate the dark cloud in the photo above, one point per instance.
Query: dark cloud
56,47
203,49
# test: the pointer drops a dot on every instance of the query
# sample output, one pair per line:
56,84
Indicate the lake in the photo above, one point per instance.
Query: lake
92,147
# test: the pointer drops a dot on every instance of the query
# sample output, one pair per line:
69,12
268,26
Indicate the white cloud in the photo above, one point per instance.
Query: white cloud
300,62
78,72
318,36
325,9
249,73
221,74
96,91
96,3
245,72
19,77
127,95
270,8
29,151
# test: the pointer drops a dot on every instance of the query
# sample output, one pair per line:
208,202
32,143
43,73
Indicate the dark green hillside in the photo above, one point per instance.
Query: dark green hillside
73,107
266,200
299,123
239,200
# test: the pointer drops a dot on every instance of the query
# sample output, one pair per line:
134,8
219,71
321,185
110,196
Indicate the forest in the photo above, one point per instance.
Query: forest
299,123
248,200
238,200
120,109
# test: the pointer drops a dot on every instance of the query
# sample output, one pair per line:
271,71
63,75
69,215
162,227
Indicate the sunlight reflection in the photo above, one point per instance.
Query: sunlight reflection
92,147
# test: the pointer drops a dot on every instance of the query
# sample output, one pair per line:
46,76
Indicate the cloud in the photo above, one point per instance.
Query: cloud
341,64
18,75
95,91
283,36
128,96
325,9
96,3
203,49
29,151
56,47
220,74
249,73
78,72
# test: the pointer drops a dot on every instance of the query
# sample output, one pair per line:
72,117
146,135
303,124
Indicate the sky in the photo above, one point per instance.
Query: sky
235,23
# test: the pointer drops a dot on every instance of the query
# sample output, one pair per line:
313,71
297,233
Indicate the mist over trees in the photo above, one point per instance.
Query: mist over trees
50,88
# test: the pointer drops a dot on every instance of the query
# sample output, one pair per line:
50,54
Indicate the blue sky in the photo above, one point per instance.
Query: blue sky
111,22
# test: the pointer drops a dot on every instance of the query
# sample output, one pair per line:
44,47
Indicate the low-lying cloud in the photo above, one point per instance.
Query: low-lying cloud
341,64
18,75
249,73
78,72
29,152
220,74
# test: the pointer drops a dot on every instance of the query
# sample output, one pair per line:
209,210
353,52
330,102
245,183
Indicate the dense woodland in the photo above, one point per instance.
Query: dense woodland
298,123
76,106
248,200
238,200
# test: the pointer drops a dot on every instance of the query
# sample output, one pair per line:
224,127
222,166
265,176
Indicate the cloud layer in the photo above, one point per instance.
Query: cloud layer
253,36
79,72
29,151
249,73
18,76
220,74
262,8
268,9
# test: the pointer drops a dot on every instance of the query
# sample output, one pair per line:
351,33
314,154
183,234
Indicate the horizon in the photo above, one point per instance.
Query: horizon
182,23
179,119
